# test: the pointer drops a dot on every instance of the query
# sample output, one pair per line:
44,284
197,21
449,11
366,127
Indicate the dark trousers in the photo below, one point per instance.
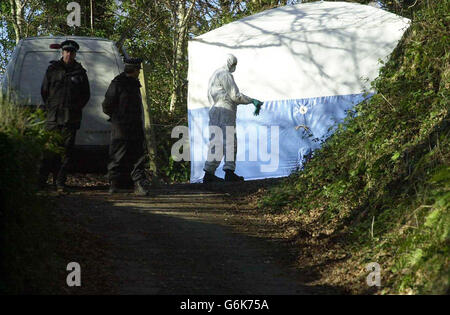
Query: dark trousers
127,154
58,164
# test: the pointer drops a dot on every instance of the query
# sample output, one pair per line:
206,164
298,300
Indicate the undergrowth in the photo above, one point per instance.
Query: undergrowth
27,228
379,189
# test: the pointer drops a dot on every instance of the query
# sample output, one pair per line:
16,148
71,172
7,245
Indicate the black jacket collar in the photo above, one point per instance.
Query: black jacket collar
60,64
124,79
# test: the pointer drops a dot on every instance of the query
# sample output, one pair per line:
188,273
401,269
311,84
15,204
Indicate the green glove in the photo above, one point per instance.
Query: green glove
258,105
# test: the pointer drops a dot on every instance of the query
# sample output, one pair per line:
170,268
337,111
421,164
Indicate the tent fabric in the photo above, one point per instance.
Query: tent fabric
319,57
280,122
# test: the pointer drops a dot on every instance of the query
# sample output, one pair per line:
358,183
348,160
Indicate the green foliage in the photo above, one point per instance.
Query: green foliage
176,172
25,236
390,162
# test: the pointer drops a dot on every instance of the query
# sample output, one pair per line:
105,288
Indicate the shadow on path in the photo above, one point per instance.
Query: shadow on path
180,240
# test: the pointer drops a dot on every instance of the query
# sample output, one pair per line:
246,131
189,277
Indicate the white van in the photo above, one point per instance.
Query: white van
102,61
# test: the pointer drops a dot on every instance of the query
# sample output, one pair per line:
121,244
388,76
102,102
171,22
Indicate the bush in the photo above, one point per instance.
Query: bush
382,179
26,234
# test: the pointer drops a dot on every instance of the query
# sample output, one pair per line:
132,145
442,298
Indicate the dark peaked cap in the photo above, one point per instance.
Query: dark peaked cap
70,45
135,62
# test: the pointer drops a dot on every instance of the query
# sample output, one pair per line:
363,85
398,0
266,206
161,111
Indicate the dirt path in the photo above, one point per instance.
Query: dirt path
183,239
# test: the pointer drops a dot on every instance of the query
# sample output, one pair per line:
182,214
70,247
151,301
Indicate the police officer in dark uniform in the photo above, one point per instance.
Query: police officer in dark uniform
65,91
127,151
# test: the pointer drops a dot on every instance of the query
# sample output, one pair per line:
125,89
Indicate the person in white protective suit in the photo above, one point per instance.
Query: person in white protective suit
224,97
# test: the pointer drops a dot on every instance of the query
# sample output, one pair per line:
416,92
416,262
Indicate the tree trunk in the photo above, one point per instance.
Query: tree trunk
148,124
17,17
180,33
92,17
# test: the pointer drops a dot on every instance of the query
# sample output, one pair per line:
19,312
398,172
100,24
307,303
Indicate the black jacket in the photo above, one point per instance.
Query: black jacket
123,101
65,91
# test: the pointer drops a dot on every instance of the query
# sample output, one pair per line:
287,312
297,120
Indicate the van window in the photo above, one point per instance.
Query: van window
7,75
101,69
35,64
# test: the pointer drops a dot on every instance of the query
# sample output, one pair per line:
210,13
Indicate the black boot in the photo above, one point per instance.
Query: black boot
113,187
61,186
230,176
42,182
211,178
60,179
54,179
141,187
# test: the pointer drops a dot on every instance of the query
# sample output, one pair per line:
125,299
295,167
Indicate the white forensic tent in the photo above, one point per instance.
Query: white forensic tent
309,63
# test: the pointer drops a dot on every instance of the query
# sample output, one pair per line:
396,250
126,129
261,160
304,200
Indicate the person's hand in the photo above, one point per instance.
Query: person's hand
256,102
258,105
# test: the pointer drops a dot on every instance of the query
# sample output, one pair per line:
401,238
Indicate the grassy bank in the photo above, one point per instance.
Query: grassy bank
378,190
27,228
37,240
